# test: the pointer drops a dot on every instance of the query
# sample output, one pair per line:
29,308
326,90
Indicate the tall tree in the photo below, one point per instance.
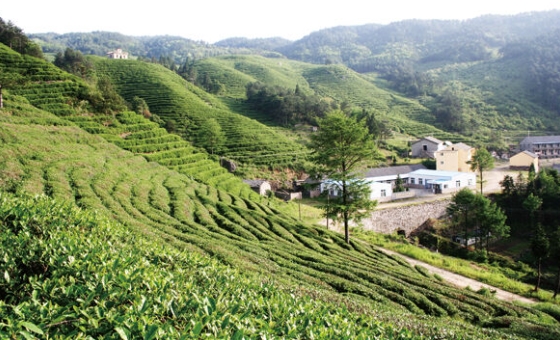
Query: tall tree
140,106
555,253
540,247
532,203
481,160
210,135
490,219
340,146
13,37
468,210
73,62
460,211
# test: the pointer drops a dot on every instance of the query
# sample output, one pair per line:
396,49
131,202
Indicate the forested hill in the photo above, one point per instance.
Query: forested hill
492,72
364,48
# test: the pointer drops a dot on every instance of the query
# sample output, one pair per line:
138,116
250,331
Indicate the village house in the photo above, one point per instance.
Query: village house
542,146
117,54
524,160
379,191
426,147
261,187
455,157
416,178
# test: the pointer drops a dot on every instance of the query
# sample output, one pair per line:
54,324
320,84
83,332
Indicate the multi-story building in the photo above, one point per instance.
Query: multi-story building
543,146
455,157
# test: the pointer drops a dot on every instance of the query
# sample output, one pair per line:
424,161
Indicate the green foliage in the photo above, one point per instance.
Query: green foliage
286,107
481,160
340,147
119,283
73,62
69,272
211,136
477,217
185,107
250,236
13,37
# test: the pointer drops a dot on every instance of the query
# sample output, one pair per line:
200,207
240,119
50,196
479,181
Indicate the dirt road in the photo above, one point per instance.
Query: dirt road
462,281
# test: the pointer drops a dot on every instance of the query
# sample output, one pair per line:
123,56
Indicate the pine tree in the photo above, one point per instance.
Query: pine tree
339,148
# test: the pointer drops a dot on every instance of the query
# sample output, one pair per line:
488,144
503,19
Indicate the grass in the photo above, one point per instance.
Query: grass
491,274
44,154
245,234
174,99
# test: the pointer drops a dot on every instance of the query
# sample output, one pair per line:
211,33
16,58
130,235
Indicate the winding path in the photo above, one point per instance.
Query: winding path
462,281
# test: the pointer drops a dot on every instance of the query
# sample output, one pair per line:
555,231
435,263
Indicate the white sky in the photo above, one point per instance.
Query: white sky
214,20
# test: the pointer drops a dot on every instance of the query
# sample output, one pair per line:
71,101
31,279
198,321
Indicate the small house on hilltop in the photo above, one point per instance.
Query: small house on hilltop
524,160
261,187
117,54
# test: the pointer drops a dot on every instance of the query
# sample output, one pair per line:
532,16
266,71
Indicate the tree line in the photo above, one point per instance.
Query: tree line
13,37
531,206
286,106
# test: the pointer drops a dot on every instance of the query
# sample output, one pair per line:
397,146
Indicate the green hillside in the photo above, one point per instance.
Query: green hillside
334,83
156,252
67,163
472,77
175,100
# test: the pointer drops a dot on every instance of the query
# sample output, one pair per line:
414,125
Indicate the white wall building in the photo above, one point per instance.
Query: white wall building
380,191
441,182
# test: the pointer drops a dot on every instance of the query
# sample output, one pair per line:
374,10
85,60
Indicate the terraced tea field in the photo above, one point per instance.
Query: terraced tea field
68,163
172,98
159,186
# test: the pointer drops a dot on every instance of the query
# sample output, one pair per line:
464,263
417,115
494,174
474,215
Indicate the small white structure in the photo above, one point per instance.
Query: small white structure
378,190
261,187
117,54
441,182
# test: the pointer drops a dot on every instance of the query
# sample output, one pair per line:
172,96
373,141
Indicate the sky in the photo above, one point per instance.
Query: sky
214,20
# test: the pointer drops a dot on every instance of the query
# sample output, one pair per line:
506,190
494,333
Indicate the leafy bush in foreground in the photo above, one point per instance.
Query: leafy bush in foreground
70,273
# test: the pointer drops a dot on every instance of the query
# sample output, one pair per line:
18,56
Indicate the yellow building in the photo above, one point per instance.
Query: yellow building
455,157
523,161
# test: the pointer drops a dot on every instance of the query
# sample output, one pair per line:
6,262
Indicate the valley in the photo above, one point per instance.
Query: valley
118,218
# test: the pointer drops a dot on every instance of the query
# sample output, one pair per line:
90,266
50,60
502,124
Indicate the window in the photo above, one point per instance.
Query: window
441,162
470,182
383,193
424,147
420,181
458,184
411,180
445,186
